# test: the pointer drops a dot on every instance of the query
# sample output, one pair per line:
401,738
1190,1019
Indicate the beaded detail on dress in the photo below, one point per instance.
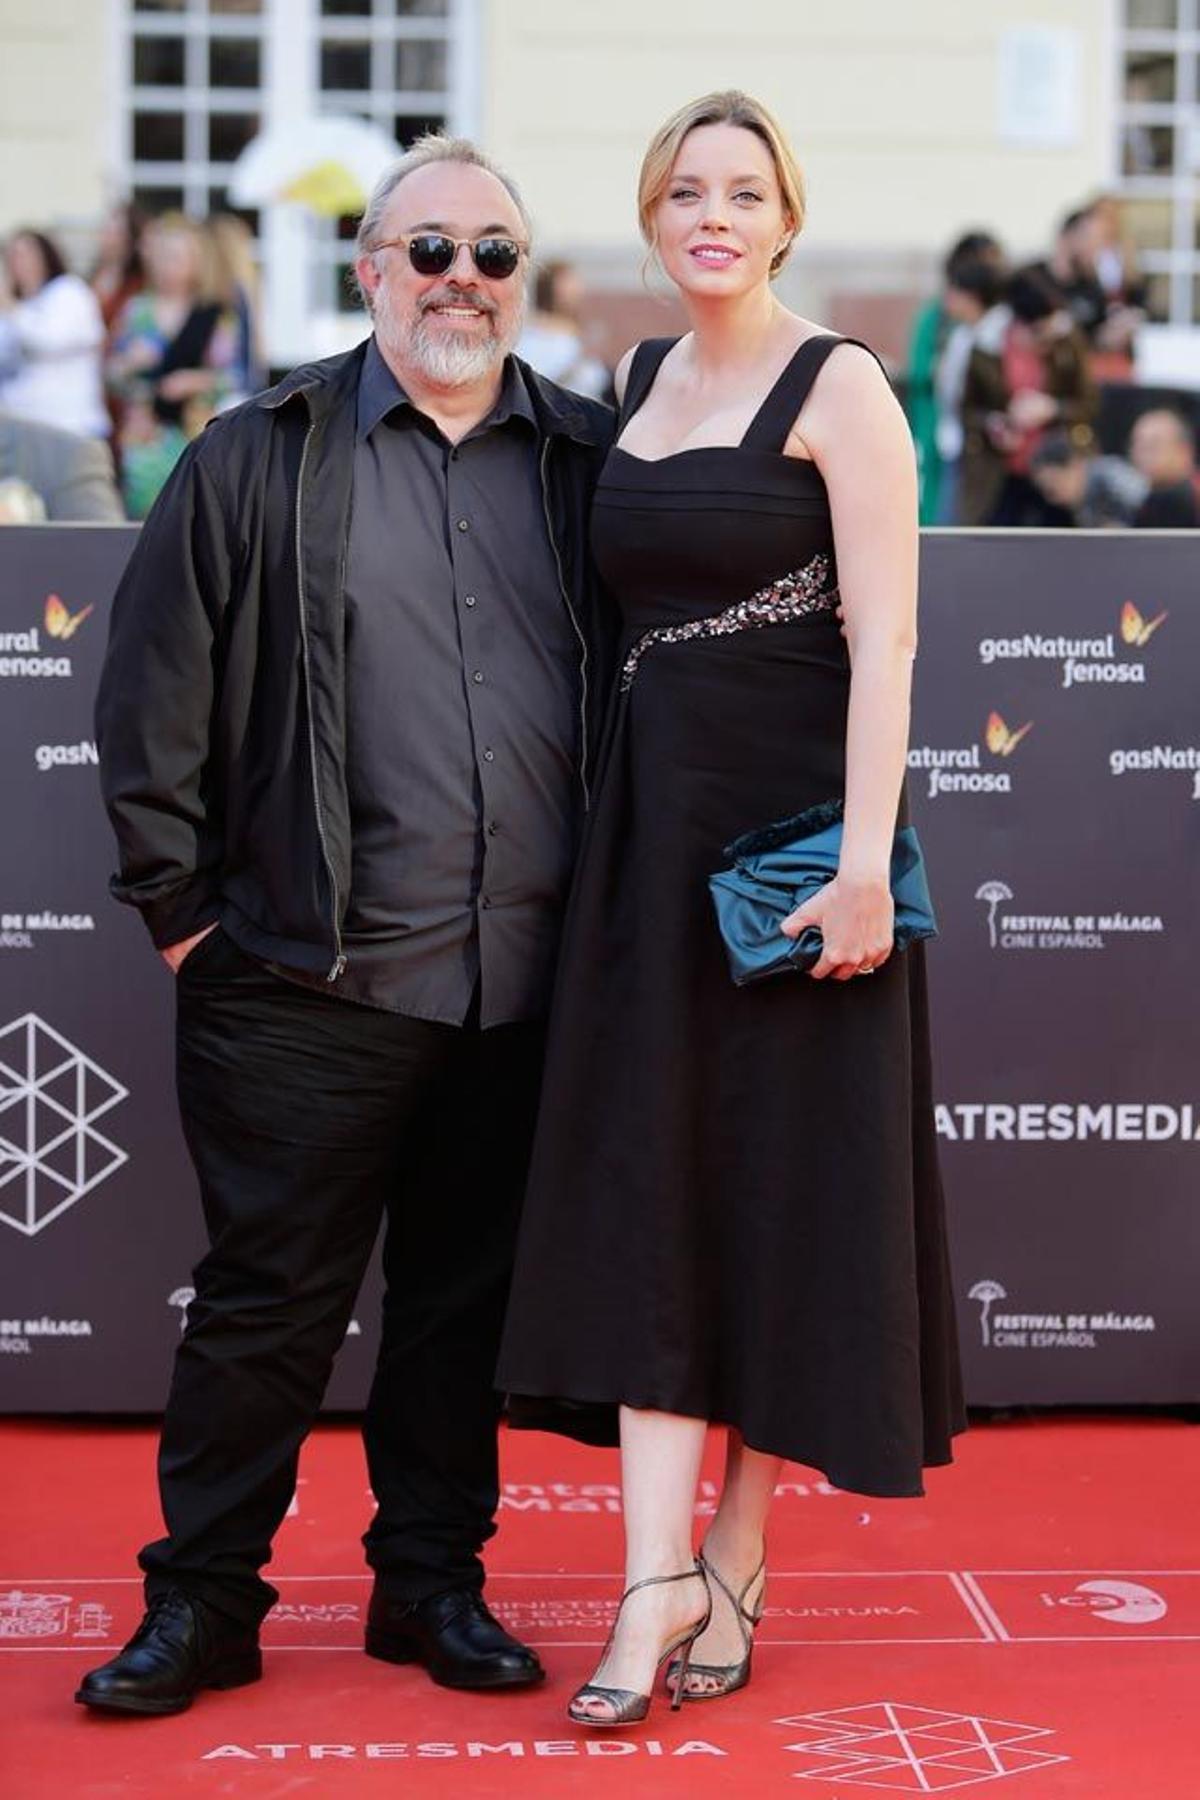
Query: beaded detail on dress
797,595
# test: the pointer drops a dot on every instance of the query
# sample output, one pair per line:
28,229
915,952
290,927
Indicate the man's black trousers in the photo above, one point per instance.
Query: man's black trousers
309,1120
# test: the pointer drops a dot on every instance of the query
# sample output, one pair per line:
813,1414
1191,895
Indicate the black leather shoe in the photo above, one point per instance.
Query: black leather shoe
180,1646
454,1636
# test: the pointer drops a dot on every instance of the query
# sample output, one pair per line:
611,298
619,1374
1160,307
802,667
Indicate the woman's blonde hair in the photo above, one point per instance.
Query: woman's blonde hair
730,107
207,285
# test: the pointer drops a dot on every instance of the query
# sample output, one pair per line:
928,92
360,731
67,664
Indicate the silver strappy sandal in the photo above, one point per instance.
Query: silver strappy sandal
629,1708
720,1678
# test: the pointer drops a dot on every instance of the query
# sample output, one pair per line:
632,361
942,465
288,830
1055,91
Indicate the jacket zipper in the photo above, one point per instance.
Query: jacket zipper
339,960
583,654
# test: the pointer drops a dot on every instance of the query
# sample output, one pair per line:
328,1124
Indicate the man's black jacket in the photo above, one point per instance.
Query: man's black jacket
221,715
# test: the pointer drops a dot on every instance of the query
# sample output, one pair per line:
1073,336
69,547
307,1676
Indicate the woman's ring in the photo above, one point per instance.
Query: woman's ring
866,969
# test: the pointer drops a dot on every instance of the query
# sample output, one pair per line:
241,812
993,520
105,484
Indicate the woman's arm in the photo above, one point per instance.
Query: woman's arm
1071,382
857,434
136,346
215,379
62,318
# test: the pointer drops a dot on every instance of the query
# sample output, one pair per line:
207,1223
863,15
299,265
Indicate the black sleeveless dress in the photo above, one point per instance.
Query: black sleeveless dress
734,1209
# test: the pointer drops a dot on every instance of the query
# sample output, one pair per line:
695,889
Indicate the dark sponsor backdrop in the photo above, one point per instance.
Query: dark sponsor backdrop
91,1288
1066,1033
1064,981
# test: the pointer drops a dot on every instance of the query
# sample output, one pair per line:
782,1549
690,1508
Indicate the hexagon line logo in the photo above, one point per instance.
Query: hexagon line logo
913,1749
51,1094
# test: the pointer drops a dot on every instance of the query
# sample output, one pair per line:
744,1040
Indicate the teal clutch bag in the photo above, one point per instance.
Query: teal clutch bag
777,869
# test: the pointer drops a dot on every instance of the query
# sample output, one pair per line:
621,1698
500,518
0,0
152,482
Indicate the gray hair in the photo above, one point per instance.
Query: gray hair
433,147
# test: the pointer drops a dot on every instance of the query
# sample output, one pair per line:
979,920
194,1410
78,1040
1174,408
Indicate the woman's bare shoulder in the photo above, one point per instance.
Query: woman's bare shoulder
852,374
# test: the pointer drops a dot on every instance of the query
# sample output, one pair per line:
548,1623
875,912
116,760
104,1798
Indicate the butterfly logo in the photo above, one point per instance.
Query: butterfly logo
1134,629
999,739
59,622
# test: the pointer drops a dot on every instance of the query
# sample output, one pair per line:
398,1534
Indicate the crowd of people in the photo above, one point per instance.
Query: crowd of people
1004,385
104,379
110,375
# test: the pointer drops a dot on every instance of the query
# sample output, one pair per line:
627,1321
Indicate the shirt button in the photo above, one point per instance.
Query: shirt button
478,675
493,828
489,756
485,902
469,600
464,525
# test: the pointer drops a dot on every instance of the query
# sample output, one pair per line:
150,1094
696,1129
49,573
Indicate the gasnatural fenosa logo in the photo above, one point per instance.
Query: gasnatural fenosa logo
23,654
1135,630
1085,661
1154,759
60,621
961,769
1000,740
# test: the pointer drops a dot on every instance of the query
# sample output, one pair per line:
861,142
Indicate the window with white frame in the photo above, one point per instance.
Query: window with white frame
201,78
1158,149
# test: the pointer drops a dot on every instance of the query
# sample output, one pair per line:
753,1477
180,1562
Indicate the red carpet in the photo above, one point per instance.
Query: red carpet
1034,1623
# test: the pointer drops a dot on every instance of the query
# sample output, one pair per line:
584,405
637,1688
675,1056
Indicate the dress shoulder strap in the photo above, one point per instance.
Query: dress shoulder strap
647,360
774,419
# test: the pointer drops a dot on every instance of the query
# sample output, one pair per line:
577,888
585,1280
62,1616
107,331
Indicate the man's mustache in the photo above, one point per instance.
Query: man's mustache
457,297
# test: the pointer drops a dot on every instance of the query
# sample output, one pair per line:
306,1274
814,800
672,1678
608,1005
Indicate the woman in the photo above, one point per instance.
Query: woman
118,273
51,334
935,336
173,357
974,284
237,282
734,1213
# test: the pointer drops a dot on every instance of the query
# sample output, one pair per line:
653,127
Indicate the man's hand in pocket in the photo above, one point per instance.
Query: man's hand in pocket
175,955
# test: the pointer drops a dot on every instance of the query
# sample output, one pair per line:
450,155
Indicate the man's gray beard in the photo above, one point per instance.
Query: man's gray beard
446,359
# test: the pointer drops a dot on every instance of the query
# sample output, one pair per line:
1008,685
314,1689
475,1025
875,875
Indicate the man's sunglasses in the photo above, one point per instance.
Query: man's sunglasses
433,253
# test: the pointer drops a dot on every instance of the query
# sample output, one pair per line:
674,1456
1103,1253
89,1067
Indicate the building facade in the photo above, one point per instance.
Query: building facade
913,123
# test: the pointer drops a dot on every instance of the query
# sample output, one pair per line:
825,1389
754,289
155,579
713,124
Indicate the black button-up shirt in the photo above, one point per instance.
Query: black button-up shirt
462,701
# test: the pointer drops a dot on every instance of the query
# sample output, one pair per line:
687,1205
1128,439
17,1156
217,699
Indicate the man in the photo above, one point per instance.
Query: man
1096,493
1162,448
347,725
973,283
1107,324
51,474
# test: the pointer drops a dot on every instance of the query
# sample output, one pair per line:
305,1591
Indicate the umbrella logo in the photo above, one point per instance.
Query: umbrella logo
986,1292
182,1298
993,892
